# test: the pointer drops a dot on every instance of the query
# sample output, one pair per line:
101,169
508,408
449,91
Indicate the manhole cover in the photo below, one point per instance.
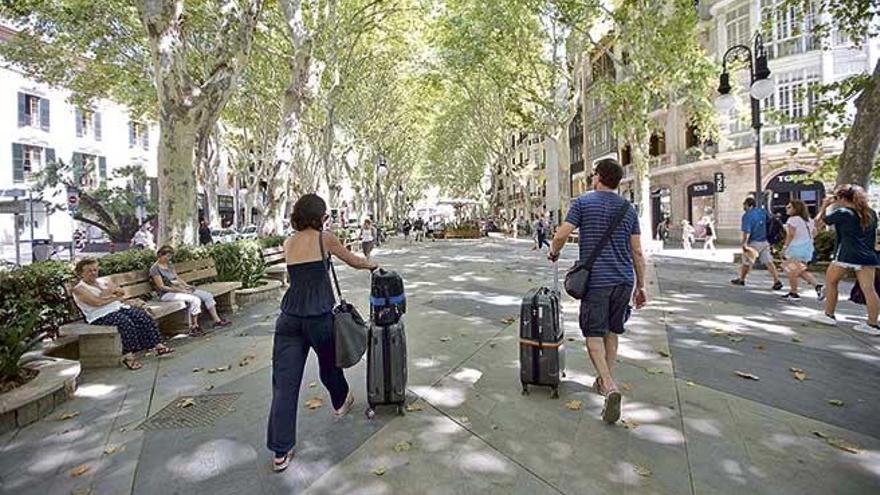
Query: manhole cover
191,412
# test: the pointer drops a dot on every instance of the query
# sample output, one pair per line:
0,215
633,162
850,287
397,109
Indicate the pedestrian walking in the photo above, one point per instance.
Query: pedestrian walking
541,229
754,236
855,225
205,233
663,230
419,229
708,223
798,250
172,288
617,276
407,228
368,238
688,235
306,322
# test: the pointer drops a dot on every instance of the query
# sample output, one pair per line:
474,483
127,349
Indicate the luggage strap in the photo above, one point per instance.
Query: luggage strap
382,301
539,344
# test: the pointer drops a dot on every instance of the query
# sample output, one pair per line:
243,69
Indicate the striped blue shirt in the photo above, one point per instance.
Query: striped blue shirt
591,214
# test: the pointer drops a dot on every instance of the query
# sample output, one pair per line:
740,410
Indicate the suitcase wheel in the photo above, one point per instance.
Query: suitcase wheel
400,410
563,374
554,393
370,413
525,389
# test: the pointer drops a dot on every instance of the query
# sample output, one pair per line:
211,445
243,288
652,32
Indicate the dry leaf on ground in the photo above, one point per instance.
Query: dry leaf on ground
836,402
209,387
799,374
68,415
734,338
112,450
629,424
464,419
663,353
402,446
445,339
314,402
717,333
379,471
690,383
747,376
187,402
796,339
196,370
760,347
508,320
820,434
642,470
212,370
80,470
626,387
414,408
654,371
574,405
844,445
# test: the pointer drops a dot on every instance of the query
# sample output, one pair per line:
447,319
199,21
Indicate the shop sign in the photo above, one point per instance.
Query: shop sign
719,181
701,189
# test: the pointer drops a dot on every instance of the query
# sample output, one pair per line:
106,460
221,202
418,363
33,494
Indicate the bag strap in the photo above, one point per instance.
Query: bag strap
329,261
621,213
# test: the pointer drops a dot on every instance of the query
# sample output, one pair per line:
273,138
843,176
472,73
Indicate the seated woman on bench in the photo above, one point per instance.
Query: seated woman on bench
172,288
104,305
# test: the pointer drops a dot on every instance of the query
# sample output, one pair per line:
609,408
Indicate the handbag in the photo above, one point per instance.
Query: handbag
349,327
577,278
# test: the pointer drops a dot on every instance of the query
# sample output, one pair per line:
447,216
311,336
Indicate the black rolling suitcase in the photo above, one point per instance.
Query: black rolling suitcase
541,336
386,344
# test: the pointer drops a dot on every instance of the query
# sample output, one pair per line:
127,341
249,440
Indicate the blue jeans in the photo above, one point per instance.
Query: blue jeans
293,338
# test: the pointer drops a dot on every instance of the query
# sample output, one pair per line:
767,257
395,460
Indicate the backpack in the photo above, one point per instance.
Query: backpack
775,230
387,298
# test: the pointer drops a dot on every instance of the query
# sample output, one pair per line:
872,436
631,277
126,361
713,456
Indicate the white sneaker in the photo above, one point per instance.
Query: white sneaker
824,319
867,329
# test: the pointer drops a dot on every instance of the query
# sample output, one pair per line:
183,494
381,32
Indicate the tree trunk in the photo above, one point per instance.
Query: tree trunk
208,165
642,185
862,143
177,180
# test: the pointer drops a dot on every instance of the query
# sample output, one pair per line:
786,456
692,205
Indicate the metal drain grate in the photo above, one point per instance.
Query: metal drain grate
204,411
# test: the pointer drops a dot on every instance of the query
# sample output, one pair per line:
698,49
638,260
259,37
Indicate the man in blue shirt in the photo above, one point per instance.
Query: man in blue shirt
754,243
619,268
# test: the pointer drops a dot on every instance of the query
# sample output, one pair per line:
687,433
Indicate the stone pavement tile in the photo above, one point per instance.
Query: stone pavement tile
440,457
740,446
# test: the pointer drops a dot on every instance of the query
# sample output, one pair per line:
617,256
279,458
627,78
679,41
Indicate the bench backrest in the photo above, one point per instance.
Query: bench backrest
195,270
136,283
273,255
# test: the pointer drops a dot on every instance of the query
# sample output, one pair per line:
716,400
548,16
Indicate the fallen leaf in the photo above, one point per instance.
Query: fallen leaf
402,446
796,339
314,403
717,333
573,405
212,370
663,353
228,367
209,387
445,339
820,434
800,376
642,470
844,445
836,402
112,450
508,320
80,470
626,387
654,371
313,384
492,345
494,427
734,338
187,402
379,471
747,376
414,408
760,347
68,415
464,419
196,370
245,361
629,424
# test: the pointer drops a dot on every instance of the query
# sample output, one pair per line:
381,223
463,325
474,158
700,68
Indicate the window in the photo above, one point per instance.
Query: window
32,160
33,111
28,160
88,123
789,31
793,100
138,135
89,171
738,32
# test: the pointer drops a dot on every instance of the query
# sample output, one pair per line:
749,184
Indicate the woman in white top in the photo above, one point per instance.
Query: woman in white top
687,235
367,238
708,222
103,305
798,248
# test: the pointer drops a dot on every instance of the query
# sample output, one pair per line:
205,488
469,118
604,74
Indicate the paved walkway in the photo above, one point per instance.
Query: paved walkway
692,425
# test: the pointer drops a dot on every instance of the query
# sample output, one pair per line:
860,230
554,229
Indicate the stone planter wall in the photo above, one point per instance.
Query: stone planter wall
271,290
462,234
54,385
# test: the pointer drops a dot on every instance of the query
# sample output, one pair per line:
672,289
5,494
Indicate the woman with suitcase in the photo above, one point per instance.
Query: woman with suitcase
305,322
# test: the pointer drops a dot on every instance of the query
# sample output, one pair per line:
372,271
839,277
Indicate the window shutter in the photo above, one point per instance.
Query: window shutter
77,168
102,168
44,114
22,110
77,114
17,163
97,126
50,156
145,140
131,142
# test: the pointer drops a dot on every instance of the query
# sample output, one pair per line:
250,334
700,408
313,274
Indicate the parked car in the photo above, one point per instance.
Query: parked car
249,232
224,235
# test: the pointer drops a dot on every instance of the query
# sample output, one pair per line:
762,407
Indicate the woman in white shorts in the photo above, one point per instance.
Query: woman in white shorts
798,249
172,288
855,225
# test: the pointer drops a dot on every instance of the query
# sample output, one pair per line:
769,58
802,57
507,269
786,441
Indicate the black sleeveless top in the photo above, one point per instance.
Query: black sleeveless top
310,292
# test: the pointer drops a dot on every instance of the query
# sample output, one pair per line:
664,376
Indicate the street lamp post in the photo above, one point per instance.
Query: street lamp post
761,87
381,170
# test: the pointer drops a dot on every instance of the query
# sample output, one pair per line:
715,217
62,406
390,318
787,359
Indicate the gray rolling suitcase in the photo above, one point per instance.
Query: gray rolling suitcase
386,367
541,336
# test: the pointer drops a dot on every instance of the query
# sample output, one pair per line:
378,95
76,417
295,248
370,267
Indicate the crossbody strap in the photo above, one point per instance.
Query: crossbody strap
621,213
329,261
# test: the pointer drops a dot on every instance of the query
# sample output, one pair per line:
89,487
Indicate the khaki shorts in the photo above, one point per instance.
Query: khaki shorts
764,255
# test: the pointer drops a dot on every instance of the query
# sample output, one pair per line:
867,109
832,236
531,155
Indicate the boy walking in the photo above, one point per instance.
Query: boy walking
616,278
754,240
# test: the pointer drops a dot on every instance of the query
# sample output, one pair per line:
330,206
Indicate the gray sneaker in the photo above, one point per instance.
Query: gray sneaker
825,319
611,411
866,328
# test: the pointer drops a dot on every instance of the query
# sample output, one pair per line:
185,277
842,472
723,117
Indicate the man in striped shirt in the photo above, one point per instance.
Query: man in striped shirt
617,276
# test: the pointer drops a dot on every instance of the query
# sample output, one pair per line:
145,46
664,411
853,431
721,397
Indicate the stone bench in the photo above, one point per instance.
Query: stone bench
195,271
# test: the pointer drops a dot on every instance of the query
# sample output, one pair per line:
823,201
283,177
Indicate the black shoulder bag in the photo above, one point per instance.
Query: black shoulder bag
349,327
577,278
